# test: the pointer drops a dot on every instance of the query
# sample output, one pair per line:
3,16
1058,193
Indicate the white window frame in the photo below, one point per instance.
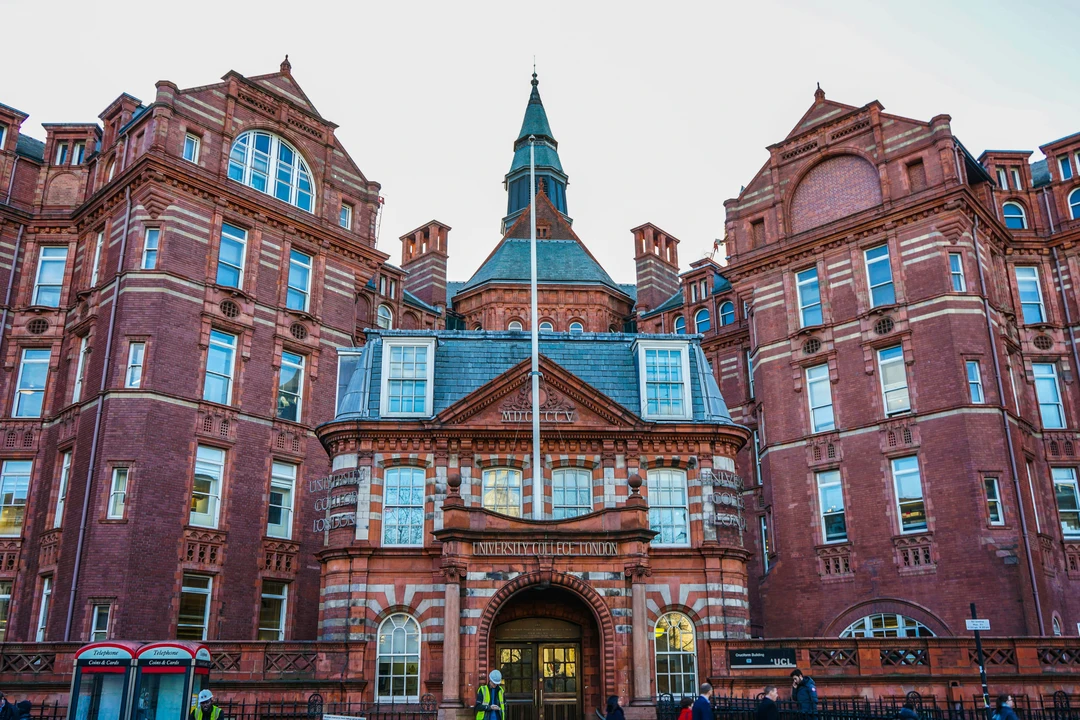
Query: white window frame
1022,216
515,326
729,314
118,491
14,493
491,480
546,326
297,259
80,369
240,240
757,457
669,504
689,688
1003,182
133,374
1030,277
917,472
98,633
1048,371
300,366
211,461
43,608
974,380
50,254
993,500
99,243
576,327
410,627
345,216
764,545
750,373
61,491
826,481
149,261
569,482
384,317
242,157
283,611
20,392
871,287
1017,185
1066,477
693,292
682,347
78,152
6,586
283,481
1065,166
61,153
1074,200
803,307
3,136
409,508
698,322
886,390
429,391
207,591
229,376
680,325
956,272
194,142
904,627
816,376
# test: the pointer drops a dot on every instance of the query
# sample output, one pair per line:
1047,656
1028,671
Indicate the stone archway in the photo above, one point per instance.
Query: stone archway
583,591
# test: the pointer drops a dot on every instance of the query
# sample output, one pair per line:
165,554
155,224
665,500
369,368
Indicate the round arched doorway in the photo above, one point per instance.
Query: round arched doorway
546,644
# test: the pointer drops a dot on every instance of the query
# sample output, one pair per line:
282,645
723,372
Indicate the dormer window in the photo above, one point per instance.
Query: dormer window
407,378
1066,167
61,153
1016,179
1003,183
272,166
664,372
79,153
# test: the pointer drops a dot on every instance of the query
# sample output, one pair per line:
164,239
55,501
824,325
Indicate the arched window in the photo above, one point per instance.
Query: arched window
881,625
110,170
546,326
680,325
385,318
273,166
1074,204
398,666
676,656
514,325
477,327
702,322
727,313
576,327
1015,218
1057,626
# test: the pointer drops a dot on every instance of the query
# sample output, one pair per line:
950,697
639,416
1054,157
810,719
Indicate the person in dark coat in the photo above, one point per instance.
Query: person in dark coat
803,692
22,710
908,712
1003,708
7,710
702,708
767,709
614,711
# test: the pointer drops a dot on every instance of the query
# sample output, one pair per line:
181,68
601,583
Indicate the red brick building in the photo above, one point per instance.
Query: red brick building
198,329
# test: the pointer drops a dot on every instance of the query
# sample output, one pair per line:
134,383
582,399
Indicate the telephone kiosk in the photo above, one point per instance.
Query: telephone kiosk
138,681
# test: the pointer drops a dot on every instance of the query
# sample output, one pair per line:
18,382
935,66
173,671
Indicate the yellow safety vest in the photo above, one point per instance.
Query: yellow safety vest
197,713
485,697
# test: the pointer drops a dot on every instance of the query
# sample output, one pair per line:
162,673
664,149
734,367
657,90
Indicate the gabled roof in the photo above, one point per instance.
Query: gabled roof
821,111
283,84
409,299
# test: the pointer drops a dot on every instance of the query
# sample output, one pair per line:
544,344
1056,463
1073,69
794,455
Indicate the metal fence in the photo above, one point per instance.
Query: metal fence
315,708
1059,706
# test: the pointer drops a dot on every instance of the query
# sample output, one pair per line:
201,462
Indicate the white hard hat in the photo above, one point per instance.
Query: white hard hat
205,695
495,677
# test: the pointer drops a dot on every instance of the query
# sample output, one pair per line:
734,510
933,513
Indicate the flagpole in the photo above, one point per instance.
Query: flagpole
537,469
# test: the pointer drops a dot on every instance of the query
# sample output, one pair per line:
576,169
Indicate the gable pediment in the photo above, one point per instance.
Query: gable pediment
565,402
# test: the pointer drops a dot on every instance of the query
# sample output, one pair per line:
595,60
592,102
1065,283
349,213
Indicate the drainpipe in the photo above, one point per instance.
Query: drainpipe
11,184
1008,428
97,415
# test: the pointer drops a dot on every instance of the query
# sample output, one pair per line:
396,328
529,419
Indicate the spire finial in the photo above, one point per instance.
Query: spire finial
819,94
535,82
286,66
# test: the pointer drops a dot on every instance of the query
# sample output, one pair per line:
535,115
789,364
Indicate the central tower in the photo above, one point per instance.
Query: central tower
549,170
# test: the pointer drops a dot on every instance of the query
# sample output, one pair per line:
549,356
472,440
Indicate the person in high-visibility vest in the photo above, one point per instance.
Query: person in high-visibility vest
206,709
490,704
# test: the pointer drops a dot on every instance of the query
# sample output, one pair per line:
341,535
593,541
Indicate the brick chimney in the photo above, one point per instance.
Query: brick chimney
423,258
656,256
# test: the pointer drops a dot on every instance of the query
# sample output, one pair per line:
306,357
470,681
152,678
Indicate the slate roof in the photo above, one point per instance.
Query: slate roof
31,148
467,361
535,121
557,261
671,303
1040,173
411,299
453,287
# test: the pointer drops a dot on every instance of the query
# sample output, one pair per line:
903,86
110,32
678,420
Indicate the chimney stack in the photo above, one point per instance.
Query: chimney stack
423,258
656,256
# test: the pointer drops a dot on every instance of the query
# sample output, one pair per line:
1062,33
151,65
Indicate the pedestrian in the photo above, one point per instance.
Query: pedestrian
1003,708
803,691
22,710
767,708
685,713
702,707
614,711
7,710
490,704
908,711
207,709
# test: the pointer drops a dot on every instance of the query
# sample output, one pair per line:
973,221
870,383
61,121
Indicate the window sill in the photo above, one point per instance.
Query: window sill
113,521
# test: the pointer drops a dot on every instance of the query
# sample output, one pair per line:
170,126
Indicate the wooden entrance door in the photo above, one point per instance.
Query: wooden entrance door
542,681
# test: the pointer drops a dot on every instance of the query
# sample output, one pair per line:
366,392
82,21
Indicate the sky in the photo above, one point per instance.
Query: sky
662,110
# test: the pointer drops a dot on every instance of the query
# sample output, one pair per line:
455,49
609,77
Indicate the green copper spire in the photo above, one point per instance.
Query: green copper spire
549,172
535,122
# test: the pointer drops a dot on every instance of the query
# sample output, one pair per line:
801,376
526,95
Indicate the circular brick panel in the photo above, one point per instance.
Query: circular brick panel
835,188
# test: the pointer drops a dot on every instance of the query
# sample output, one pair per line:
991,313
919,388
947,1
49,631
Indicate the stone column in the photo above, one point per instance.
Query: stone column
452,637
642,685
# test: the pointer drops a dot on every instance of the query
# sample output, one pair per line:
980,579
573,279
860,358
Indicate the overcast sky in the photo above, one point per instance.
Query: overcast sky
662,110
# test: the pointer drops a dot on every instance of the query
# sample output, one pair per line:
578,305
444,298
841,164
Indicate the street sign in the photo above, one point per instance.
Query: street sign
977,624
764,658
